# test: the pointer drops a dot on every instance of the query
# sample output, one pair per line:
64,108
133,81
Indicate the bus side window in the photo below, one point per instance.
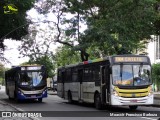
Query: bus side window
74,75
87,74
68,75
59,76
80,75
96,75
17,77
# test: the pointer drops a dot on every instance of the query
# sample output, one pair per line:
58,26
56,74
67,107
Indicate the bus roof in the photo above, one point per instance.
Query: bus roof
121,58
27,65
85,62
24,67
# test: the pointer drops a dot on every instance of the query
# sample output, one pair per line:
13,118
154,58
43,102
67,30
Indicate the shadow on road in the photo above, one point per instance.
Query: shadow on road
105,108
12,101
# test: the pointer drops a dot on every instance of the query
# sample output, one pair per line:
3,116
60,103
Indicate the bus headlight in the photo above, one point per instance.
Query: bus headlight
20,92
44,91
115,93
150,92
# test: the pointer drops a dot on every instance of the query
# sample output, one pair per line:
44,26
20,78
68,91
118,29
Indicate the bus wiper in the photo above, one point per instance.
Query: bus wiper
121,69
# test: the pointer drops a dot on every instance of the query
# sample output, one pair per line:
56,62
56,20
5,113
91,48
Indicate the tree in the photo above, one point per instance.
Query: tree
65,35
2,70
113,27
156,75
14,25
65,56
39,41
118,25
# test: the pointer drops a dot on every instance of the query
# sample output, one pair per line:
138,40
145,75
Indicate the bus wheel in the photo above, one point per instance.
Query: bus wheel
9,97
16,98
133,107
39,99
97,101
69,97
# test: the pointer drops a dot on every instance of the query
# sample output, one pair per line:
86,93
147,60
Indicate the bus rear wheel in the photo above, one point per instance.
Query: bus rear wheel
9,97
97,101
133,107
70,97
16,98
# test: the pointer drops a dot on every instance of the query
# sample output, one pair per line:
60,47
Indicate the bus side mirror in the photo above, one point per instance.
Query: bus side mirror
46,75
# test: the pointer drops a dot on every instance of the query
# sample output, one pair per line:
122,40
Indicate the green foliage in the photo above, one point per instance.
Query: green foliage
2,70
156,75
65,56
10,22
117,26
113,27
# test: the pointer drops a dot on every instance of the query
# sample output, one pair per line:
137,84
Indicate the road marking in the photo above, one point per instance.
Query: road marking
35,118
19,109
148,118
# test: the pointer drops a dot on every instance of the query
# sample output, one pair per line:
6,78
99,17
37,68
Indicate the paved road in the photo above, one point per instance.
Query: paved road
53,103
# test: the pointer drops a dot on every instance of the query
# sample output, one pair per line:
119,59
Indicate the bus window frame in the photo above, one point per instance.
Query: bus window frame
130,63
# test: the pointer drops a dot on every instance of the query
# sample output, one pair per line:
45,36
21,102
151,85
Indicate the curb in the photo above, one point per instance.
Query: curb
52,93
17,109
158,98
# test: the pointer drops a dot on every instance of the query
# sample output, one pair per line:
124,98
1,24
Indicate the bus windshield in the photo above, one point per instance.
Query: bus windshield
131,75
31,78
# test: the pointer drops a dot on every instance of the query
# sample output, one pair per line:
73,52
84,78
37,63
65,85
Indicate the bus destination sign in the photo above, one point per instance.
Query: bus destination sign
31,68
130,59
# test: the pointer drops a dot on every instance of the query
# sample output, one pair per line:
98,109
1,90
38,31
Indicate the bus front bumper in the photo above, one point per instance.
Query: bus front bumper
116,100
23,96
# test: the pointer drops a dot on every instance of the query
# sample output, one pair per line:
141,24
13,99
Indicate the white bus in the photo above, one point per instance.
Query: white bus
114,80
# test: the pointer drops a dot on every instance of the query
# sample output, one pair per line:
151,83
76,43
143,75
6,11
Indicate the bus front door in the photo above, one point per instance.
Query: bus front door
80,77
105,84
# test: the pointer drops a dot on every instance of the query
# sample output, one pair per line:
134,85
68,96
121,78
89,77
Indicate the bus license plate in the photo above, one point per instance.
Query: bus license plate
133,101
33,96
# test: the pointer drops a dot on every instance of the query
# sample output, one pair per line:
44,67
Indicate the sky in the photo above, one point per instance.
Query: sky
12,53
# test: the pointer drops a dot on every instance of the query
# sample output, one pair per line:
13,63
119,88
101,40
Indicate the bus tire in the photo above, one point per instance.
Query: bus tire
133,107
40,100
70,97
16,98
97,101
9,97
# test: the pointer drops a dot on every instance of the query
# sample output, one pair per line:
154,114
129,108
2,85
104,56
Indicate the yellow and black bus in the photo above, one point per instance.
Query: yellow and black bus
113,80
26,82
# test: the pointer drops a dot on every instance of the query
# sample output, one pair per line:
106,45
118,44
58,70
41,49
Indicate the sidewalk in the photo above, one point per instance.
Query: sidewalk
9,109
5,107
51,92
